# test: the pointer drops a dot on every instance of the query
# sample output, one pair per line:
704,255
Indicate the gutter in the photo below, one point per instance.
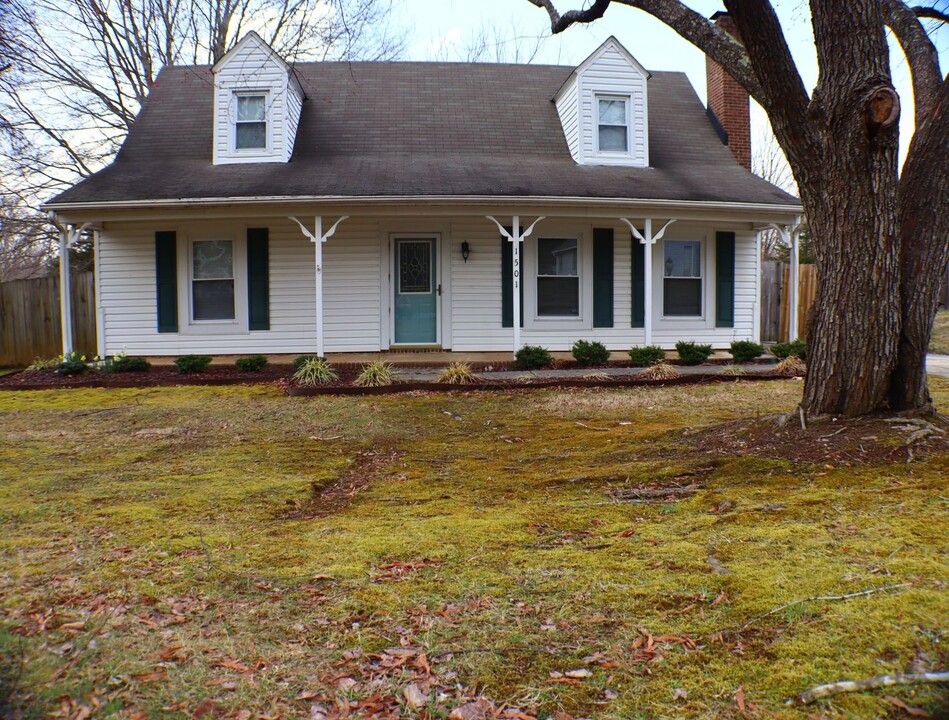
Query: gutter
384,200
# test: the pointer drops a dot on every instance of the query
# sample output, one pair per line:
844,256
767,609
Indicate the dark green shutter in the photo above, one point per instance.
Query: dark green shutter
166,280
258,279
507,282
639,284
724,279
602,277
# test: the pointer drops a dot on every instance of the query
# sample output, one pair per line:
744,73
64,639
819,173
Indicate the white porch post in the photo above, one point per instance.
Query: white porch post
516,237
317,237
65,296
795,285
647,239
68,235
756,317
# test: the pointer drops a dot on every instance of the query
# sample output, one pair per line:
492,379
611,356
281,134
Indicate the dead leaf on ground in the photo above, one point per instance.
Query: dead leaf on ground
476,710
908,709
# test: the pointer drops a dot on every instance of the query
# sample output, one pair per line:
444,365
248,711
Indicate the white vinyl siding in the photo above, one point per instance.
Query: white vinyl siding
568,107
357,294
252,69
351,291
611,74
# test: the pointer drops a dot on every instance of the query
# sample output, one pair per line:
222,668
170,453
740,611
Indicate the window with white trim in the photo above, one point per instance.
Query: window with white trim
682,278
250,125
212,280
558,277
612,124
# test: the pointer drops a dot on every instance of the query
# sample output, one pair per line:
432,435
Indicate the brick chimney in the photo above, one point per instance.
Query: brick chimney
728,103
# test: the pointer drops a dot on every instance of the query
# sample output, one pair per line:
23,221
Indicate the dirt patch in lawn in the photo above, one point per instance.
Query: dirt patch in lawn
835,441
158,375
328,498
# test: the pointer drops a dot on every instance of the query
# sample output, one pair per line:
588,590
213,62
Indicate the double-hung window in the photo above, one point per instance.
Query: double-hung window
682,278
212,280
558,277
251,124
612,124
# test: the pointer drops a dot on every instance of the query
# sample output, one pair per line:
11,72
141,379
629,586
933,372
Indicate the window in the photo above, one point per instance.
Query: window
212,280
558,279
682,278
613,124
251,125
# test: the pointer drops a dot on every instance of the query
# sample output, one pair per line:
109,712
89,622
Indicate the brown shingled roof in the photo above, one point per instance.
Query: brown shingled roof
396,129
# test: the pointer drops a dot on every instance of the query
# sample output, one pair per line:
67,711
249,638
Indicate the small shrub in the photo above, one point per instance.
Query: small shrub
192,363
531,357
376,374
692,354
784,350
126,363
458,373
590,352
745,351
645,356
659,371
254,363
300,360
40,364
314,371
72,364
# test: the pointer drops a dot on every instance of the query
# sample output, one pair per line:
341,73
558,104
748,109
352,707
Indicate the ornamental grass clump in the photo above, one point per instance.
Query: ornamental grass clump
192,363
314,371
589,353
39,364
745,351
792,365
733,370
457,373
646,356
659,371
691,353
254,363
532,357
376,374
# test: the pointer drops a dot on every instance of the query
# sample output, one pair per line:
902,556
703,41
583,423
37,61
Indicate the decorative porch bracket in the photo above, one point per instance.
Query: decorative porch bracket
647,239
68,235
516,237
318,237
790,236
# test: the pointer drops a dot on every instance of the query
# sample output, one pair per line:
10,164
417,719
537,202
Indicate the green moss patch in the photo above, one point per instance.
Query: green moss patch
205,551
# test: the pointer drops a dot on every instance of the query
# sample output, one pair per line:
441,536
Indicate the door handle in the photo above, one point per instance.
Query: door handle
439,289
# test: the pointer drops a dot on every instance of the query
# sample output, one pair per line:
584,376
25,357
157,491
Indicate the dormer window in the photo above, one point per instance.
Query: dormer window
613,127
251,125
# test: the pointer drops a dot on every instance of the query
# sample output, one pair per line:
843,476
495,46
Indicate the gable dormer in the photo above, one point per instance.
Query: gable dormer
257,104
603,109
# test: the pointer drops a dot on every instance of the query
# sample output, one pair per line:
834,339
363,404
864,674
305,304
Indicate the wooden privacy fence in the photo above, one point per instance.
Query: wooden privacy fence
776,300
30,324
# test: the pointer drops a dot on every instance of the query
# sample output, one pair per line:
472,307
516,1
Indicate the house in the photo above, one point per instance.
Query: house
258,206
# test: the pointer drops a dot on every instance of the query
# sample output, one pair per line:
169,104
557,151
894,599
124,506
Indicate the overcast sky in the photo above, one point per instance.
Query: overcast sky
441,29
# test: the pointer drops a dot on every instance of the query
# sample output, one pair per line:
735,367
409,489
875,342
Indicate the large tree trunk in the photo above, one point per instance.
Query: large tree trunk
849,187
924,216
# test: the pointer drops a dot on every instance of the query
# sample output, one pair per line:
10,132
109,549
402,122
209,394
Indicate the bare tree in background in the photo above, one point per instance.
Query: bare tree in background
26,243
768,162
85,67
881,235
494,44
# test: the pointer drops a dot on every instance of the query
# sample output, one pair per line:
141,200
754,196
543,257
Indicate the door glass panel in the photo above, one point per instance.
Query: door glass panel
415,267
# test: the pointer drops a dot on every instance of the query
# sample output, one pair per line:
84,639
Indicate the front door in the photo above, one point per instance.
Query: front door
416,291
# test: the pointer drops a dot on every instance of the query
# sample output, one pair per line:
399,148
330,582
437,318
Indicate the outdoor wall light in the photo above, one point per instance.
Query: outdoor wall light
465,250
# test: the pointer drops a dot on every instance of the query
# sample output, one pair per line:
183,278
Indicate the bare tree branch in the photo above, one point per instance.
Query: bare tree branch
921,54
931,13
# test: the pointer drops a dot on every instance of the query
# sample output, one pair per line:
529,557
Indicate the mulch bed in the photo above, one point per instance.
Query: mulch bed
167,375
827,441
